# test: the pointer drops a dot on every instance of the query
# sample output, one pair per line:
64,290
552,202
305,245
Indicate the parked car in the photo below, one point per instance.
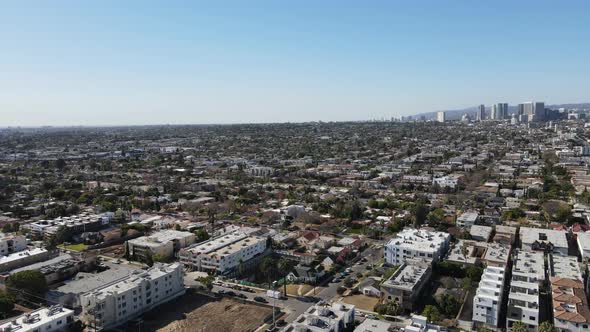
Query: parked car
221,292
260,299
230,293
281,322
241,296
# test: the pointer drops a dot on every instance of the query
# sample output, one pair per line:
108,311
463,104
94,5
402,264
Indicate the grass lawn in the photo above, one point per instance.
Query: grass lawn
76,247
354,231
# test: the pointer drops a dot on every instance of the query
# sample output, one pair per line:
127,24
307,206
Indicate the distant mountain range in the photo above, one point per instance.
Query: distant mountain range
456,114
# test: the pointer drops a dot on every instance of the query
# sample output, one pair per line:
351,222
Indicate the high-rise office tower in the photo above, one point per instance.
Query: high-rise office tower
535,111
481,113
440,116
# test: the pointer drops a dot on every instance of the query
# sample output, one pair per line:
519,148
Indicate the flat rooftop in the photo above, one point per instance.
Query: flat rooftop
406,277
530,235
21,255
158,238
33,320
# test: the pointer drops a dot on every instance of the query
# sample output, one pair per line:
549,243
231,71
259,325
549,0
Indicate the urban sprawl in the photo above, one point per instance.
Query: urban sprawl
413,224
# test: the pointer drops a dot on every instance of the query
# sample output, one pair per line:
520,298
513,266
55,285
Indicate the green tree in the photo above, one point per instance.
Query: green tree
419,213
431,313
207,282
28,283
546,326
519,327
202,235
284,266
6,304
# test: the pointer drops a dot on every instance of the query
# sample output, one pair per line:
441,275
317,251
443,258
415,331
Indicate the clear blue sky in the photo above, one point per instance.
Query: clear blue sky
142,62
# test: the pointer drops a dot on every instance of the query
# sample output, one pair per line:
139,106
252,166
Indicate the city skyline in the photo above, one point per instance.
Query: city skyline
72,64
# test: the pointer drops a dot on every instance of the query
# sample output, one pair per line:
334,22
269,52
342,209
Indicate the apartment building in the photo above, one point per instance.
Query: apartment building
127,298
324,317
570,305
53,319
528,273
467,252
488,298
406,284
416,244
544,240
564,267
222,254
10,244
583,241
24,258
467,219
75,224
163,243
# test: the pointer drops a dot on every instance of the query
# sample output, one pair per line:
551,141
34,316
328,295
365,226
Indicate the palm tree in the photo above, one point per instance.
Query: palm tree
284,266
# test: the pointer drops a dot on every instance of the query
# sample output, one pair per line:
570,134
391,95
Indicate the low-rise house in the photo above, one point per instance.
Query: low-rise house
305,274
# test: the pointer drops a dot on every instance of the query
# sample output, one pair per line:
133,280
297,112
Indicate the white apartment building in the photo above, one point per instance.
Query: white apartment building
52,319
467,219
163,243
441,116
222,254
416,244
23,258
583,240
488,298
127,298
564,267
528,273
544,239
324,317
76,224
10,244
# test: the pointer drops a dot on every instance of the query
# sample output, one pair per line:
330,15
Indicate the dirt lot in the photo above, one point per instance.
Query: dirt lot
199,313
298,290
362,302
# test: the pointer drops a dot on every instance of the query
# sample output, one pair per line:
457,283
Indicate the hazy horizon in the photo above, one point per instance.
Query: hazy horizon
67,63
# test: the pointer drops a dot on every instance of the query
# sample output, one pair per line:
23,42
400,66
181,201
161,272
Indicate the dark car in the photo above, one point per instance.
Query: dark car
260,299
281,322
230,293
241,296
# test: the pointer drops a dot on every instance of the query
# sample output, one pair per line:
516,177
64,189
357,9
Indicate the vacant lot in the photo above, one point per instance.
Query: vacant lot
362,302
193,312
298,289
